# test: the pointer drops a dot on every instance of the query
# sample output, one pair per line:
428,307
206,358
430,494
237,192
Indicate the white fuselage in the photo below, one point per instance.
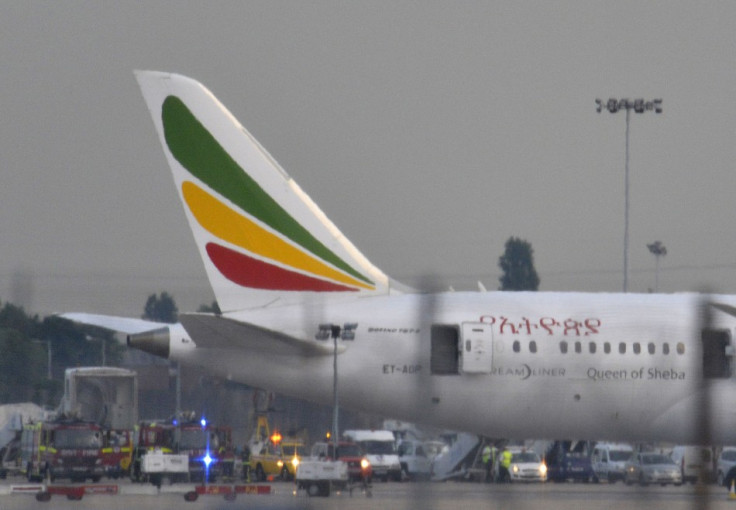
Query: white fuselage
526,365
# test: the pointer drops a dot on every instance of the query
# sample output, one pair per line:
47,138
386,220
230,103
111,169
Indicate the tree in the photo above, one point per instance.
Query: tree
213,308
22,367
517,264
161,309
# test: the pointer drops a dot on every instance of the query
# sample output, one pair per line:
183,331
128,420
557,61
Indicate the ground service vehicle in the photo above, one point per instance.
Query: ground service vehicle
319,476
726,461
609,461
569,460
277,457
161,468
649,467
696,463
62,449
359,467
526,466
414,461
380,449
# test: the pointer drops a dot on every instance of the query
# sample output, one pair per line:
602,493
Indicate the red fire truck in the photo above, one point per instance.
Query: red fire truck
117,448
62,449
150,436
209,448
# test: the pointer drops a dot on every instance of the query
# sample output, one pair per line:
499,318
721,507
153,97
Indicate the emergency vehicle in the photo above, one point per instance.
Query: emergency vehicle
208,448
116,453
150,436
62,449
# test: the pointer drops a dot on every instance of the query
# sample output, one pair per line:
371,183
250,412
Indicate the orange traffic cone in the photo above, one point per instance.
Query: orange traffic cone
732,491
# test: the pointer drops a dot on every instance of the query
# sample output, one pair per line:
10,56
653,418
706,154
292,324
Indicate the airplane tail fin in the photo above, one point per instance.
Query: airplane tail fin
262,239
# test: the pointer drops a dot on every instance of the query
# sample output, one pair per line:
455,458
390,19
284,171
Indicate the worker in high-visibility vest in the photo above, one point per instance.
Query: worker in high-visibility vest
504,475
486,458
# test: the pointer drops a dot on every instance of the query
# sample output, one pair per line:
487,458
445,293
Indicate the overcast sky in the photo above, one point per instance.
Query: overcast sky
429,132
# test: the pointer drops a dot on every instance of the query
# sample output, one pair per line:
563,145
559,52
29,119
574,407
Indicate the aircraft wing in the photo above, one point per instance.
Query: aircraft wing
213,332
127,325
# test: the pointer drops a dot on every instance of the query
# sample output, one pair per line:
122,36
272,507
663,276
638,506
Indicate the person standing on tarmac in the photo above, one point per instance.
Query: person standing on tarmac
486,458
504,475
246,463
494,463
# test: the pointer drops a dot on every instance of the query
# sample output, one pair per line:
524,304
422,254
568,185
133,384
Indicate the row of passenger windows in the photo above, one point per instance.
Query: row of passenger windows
636,347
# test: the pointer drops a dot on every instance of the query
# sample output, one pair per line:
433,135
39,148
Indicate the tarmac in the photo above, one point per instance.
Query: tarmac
396,496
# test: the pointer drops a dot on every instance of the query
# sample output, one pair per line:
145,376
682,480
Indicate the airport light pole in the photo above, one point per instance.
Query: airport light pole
614,105
335,331
658,250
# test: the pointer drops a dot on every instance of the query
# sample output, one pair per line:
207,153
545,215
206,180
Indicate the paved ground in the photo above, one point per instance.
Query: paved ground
414,496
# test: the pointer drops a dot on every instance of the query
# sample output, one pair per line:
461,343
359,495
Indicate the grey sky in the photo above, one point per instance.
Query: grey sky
429,132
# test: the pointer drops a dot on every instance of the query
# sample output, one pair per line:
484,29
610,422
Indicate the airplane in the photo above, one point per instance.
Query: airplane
298,300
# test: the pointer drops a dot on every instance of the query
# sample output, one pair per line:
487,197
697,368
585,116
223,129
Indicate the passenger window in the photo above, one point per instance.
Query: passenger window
622,348
607,348
578,347
563,347
680,348
533,346
637,348
652,348
592,347
665,348
517,346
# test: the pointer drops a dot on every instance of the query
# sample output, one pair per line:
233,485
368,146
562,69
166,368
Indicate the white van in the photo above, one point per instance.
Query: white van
608,461
695,462
379,447
415,463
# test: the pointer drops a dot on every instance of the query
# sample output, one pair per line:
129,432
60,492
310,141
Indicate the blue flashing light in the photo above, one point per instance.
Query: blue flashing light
207,460
203,422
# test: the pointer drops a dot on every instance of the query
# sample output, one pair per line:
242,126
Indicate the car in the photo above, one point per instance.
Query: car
696,463
359,468
726,461
527,466
649,467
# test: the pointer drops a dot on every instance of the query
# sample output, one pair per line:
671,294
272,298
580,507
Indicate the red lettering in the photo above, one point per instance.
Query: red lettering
547,323
488,319
572,325
504,323
592,325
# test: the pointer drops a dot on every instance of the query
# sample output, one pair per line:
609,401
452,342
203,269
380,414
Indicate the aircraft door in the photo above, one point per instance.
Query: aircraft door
476,349
717,353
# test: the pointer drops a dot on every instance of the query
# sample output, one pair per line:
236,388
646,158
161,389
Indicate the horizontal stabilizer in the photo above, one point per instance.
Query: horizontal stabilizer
126,325
213,332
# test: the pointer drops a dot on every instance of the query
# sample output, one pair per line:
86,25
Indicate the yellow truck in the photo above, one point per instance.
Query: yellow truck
278,457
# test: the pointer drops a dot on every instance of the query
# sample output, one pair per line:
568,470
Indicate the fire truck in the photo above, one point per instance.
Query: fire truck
151,436
62,449
208,448
116,453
